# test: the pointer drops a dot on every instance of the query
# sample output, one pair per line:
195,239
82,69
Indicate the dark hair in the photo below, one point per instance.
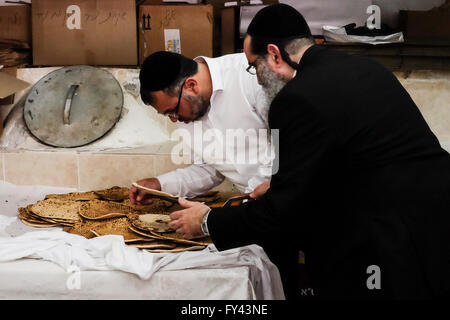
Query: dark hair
258,46
188,68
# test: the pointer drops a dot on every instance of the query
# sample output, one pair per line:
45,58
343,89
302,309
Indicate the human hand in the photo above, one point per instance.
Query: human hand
260,190
139,197
188,221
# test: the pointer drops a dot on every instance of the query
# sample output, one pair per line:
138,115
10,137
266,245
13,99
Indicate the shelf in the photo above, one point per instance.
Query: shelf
411,55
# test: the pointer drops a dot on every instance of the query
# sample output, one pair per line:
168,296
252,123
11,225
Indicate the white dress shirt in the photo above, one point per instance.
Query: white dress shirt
237,102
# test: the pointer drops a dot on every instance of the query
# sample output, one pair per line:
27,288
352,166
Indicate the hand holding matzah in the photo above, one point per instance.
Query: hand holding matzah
188,222
139,197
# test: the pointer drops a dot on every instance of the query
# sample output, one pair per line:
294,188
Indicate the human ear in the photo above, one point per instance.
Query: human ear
192,86
274,53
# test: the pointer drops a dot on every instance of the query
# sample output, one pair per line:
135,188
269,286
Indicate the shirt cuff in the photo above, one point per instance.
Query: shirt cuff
168,182
205,223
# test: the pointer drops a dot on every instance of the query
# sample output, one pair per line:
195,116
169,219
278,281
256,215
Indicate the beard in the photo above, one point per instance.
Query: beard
199,106
271,82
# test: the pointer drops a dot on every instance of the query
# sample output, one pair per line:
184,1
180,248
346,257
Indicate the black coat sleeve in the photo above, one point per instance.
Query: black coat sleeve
306,143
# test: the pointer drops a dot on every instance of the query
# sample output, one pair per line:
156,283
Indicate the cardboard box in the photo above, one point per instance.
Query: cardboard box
234,22
92,32
6,99
430,25
15,23
185,29
9,85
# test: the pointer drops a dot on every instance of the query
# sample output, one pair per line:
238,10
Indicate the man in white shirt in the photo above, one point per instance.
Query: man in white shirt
212,99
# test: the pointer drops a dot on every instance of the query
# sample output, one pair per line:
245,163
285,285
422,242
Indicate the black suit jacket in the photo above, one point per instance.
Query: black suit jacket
362,181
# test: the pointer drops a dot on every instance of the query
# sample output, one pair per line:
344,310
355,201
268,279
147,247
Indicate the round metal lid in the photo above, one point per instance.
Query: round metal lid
73,106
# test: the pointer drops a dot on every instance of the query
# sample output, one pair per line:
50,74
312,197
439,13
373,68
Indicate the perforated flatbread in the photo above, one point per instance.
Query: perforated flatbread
207,197
113,194
151,222
178,248
83,228
28,219
56,208
24,214
156,244
172,236
100,209
157,206
73,196
117,226
143,233
39,225
178,238
157,193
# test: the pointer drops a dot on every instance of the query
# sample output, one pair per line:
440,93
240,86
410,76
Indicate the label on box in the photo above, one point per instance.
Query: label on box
172,40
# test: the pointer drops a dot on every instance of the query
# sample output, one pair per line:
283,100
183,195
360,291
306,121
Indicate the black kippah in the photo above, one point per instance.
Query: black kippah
278,21
160,70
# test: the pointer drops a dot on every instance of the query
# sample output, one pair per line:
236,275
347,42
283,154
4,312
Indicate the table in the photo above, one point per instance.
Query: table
36,279
29,278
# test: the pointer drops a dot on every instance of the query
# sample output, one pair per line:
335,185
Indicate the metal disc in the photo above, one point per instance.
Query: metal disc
73,106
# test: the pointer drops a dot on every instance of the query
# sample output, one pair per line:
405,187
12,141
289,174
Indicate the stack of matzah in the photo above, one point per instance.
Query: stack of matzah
110,212
155,226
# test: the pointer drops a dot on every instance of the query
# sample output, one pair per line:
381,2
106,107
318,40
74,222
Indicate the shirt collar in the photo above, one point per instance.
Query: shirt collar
214,71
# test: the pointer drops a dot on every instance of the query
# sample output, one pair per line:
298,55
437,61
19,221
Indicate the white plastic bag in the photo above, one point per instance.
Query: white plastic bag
338,34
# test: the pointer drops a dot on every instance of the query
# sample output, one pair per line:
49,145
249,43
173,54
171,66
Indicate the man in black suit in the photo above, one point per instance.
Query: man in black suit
363,185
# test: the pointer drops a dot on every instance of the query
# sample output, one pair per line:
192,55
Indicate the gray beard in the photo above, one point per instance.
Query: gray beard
199,106
271,82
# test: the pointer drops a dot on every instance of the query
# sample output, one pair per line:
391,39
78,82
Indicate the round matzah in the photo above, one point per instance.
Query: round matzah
99,209
38,225
142,233
152,222
154,245
114,194
157,206
119,226
176,237
58,209
177,249
75,196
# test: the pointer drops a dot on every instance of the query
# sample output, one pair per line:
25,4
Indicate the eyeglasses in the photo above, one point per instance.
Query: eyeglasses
174,113
251,68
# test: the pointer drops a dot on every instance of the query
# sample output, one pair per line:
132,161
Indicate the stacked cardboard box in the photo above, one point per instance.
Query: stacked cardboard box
234,22
15,23
15,47
15,35
432,25
92,32
185,29
106,32
210,29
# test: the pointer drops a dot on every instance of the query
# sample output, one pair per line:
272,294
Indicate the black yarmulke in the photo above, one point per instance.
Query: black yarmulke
160,70
278,21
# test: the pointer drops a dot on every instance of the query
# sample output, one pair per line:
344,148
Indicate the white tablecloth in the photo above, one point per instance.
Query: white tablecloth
37,279
52,264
